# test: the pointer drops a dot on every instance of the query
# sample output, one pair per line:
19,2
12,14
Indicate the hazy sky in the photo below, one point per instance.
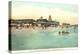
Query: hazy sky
32,10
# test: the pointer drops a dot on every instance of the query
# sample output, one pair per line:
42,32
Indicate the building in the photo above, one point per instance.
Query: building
66,25
32,22
53,23
41,17
50,18
41,22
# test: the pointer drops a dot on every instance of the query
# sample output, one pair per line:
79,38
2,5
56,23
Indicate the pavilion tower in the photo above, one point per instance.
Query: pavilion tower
50,18
41,17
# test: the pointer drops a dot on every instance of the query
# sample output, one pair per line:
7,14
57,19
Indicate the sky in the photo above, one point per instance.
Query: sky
67,13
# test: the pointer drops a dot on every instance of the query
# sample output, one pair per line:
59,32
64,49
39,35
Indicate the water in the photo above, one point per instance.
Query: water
24,39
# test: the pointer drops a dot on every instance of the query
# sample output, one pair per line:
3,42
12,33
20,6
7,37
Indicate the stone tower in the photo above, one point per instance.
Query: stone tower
50,18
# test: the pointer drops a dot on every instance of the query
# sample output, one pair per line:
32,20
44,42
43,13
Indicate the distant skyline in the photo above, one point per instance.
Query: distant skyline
67,13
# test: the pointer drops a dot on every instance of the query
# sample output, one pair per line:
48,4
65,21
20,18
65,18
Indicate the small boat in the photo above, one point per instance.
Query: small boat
63,32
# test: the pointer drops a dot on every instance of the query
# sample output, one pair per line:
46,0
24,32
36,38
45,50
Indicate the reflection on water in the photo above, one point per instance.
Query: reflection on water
23,39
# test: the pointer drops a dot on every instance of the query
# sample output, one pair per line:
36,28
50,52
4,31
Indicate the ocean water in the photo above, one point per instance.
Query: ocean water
25,39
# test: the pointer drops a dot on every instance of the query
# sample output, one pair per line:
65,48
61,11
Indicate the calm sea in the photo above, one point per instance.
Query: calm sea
24,39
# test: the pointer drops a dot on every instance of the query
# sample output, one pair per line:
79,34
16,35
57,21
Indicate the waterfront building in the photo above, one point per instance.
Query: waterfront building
32,22
50,18
41,22
66,25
